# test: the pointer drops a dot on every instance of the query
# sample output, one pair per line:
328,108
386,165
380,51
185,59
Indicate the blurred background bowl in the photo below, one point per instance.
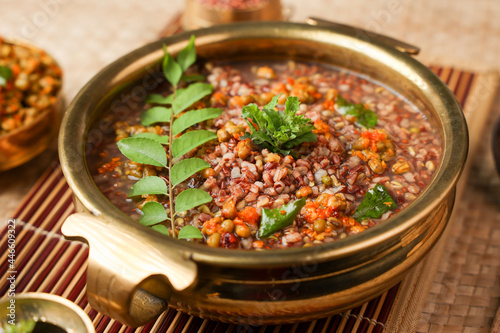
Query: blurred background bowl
47,308
21,144
205,13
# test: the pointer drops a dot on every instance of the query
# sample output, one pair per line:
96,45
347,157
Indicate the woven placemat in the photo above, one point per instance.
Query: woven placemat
439,302
465,293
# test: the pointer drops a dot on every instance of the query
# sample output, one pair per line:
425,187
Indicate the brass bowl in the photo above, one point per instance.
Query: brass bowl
24,143
135,272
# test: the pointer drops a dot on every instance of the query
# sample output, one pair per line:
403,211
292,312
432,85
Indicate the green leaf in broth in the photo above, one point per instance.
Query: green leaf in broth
157,114
376,202
143,150
187,56
276,219
190,231
161,229
191,140
190,95
191,198
161,139
149,185
186,168
159,99
191,118
171,68
153,213
364,116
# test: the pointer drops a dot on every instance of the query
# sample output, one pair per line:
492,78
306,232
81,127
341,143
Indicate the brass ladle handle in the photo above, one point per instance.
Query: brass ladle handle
123,282
367,35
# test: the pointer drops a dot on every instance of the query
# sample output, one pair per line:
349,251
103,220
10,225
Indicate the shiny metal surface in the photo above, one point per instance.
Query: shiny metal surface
257,287
28,141
50,308
368,35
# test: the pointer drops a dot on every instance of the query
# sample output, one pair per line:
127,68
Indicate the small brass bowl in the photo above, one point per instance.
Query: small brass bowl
200,15
24,143
47,308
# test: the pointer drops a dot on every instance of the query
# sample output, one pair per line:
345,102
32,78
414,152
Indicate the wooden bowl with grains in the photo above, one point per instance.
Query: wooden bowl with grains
30,101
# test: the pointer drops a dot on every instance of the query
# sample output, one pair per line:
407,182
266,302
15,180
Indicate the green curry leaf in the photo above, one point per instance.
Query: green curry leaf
186,168
149,185
161,229
171,68
191,140
278,218
159,99
376,202
157,114
187,56
190,231
153,213
191,198
191,118
161,139
188,96
143,150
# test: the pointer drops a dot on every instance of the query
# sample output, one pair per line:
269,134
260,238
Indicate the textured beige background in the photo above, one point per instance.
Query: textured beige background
85,35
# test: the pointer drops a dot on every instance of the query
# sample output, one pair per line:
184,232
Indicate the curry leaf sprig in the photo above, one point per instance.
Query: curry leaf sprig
146,148
278,131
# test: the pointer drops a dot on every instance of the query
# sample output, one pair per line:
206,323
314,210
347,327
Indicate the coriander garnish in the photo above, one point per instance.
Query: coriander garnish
278,131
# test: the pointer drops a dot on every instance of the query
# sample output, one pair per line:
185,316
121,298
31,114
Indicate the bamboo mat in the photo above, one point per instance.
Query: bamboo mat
46,262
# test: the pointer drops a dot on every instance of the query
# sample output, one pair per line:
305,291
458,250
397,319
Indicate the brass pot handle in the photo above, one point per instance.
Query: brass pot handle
367,35
122,282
